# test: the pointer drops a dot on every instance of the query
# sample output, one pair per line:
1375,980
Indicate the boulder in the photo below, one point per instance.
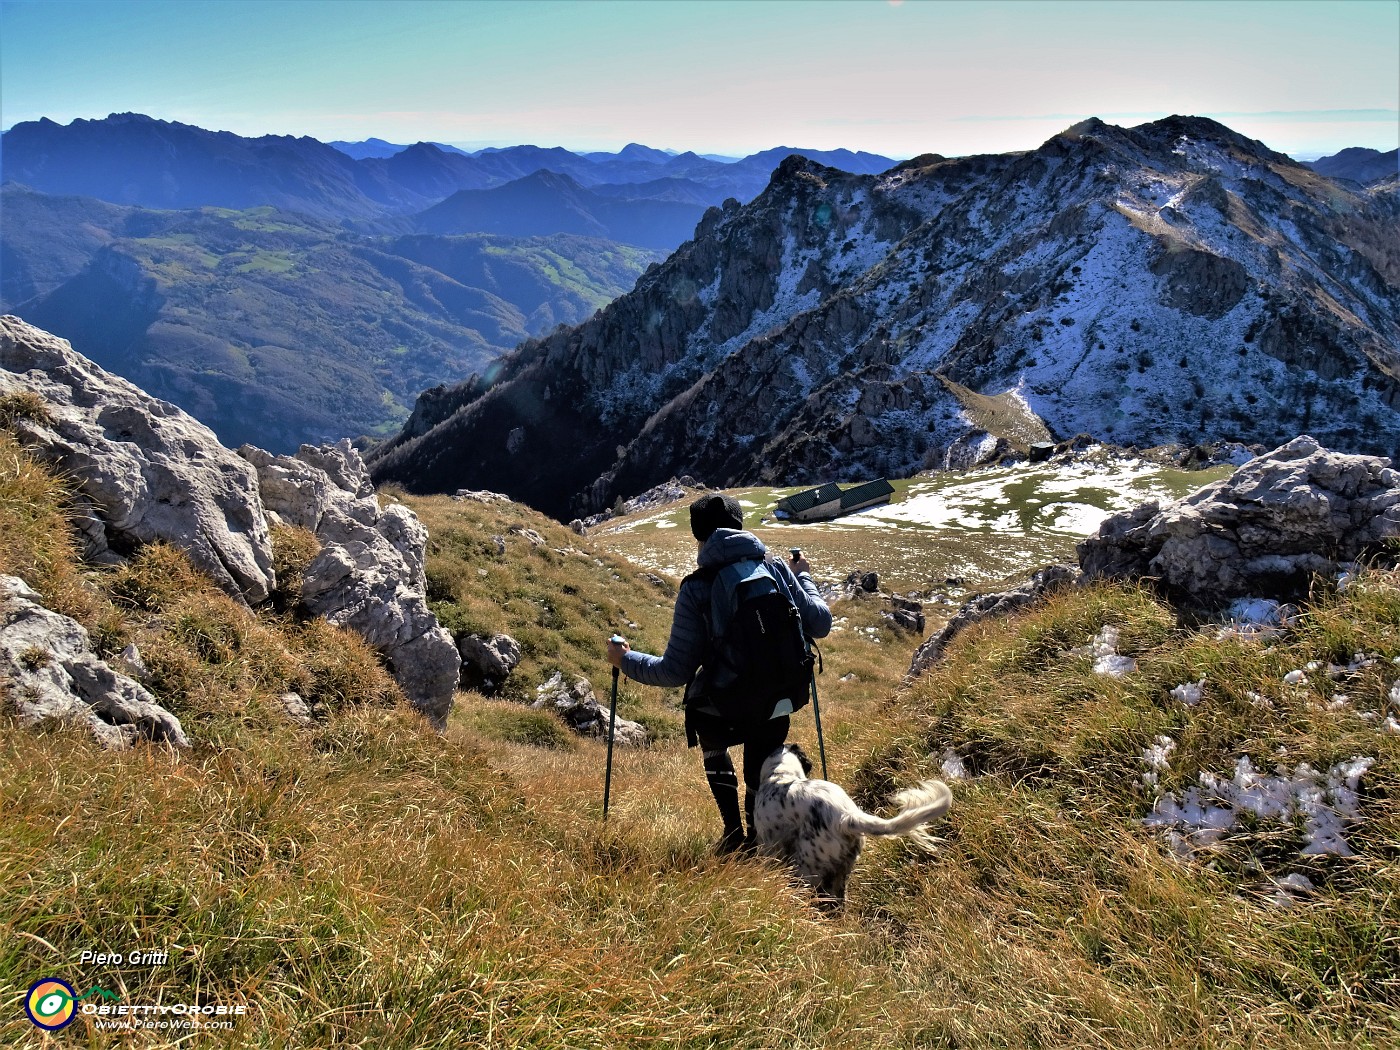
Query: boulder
487,660
906,613
297,709
1265,531
482,496
860,583
369,575
579,708
659,496
49,670
143,469
534,538
971,449
1003,603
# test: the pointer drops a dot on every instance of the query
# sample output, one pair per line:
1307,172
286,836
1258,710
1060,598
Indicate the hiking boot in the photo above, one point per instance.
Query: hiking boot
731,842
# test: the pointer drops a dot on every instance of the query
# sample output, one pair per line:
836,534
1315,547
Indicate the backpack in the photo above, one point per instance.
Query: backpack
758,654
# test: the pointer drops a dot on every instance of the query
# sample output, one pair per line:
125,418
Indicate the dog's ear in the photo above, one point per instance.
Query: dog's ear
796,749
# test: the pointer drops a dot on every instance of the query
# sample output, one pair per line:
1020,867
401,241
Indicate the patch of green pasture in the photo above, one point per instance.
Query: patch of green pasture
264,262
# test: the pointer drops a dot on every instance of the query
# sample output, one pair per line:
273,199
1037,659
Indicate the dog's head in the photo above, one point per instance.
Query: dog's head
788,762
796,751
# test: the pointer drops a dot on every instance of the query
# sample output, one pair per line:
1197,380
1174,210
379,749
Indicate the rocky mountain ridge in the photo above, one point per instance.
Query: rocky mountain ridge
1358,164
547,202
1170,282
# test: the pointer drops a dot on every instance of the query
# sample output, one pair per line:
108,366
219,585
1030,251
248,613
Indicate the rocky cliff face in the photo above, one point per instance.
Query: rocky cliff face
1174,281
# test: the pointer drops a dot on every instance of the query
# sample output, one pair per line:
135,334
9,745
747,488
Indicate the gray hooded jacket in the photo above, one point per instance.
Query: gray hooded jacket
690,632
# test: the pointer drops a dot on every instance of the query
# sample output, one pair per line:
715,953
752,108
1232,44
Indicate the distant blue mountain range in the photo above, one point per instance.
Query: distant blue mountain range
638,195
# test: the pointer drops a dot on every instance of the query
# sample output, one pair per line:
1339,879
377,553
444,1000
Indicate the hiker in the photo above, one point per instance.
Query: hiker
717,522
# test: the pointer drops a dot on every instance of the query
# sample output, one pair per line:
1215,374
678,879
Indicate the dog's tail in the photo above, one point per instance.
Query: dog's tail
918,806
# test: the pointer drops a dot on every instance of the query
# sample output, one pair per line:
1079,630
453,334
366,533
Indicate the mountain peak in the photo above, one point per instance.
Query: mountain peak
795,164
1169,130
422,149
639,152
551,179
1089,126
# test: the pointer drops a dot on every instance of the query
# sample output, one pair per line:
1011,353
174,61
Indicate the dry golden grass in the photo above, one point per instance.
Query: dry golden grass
367,882
36,542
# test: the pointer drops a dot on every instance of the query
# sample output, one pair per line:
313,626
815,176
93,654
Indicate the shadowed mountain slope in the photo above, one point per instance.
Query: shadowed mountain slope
547,202
1358,164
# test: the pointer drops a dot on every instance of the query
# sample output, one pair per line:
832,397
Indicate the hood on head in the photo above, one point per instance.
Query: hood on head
726,546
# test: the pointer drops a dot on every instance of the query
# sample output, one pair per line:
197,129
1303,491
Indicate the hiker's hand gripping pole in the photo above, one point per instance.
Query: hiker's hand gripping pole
612,726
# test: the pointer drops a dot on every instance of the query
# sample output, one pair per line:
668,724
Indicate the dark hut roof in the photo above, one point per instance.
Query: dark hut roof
800,501
871,490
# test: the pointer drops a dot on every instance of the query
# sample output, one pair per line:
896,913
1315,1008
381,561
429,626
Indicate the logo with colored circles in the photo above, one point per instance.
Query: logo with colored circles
51,1003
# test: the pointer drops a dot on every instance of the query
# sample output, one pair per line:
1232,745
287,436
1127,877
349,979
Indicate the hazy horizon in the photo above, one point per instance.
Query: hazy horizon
892,77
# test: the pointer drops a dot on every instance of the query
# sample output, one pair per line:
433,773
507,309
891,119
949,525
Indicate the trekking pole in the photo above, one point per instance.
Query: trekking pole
612,726
817,714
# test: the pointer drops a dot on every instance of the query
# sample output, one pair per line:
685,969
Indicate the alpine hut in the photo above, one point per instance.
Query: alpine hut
830,501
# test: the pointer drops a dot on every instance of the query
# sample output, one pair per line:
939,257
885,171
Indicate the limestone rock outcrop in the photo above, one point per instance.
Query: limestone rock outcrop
1044,582
145,469
368,576
577,705
50,672
487,660
1265,531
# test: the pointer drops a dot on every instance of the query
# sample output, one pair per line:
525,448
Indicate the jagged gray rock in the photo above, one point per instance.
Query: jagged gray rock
534,538
144,470
658,496
905,613
369,575
860,583
1265,531
50,671
297,709
1045,581
481,497
579,708
487,660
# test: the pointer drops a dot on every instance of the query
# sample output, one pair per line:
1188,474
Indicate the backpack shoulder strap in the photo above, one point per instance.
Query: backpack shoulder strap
724,590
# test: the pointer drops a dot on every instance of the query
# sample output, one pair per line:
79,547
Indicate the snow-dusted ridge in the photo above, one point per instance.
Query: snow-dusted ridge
1174,282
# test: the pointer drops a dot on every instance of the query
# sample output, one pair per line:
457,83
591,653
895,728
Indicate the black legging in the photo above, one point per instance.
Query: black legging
759,742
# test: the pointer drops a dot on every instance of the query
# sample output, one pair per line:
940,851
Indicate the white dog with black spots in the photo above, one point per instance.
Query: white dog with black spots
817,829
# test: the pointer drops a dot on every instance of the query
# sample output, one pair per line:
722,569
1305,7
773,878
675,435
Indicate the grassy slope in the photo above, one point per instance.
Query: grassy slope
367,882
1001,415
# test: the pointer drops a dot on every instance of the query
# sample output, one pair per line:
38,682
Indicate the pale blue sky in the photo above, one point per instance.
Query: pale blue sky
897,78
